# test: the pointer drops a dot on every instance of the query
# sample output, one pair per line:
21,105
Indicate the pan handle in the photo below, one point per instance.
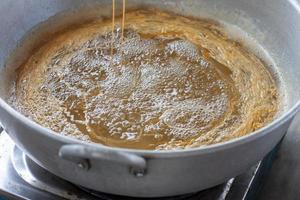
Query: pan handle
82,154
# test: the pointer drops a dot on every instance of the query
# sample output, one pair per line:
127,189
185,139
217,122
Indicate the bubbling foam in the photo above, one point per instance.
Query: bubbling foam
155,91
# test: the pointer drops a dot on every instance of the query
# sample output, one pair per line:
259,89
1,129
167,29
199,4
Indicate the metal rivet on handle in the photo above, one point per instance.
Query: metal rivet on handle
138,172
84,165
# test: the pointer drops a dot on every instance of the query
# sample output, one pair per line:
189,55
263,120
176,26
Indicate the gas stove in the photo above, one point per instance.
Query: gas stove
21,178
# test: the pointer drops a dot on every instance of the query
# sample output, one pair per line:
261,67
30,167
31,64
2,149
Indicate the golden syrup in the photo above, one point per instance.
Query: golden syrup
123,19
186,86
113,28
